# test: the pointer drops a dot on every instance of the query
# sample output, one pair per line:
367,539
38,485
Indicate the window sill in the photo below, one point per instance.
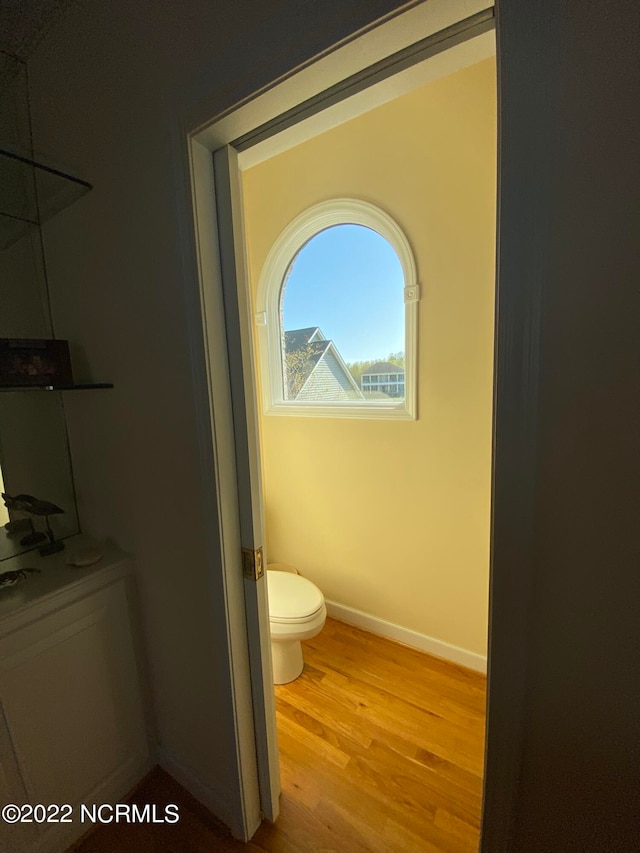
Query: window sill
390,411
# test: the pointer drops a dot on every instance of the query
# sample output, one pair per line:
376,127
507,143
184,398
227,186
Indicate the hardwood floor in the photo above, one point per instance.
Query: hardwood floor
381,751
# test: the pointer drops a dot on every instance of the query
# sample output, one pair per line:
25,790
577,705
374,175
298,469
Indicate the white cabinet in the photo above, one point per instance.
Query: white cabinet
72,713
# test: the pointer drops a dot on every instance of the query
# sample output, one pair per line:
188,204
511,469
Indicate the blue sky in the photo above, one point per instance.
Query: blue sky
348,280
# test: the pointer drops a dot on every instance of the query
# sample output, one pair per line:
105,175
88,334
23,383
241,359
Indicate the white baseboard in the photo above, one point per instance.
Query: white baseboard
471,660
203,793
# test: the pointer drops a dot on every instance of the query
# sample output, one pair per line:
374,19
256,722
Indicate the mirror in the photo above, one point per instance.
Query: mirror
34,447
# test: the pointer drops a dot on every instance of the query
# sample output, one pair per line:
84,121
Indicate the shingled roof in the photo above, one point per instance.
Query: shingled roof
383,367
298,339
313,346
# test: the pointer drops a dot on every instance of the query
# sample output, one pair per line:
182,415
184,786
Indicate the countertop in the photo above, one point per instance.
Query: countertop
56,580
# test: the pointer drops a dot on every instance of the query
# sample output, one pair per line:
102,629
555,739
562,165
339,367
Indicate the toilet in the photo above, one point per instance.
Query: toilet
296,612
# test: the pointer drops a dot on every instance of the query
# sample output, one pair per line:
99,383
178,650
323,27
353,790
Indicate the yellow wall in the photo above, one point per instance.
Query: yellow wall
392,517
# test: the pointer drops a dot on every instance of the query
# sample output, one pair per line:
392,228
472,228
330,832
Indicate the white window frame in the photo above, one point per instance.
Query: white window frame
342,211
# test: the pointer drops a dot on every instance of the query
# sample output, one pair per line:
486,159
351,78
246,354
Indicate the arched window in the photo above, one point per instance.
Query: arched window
336,311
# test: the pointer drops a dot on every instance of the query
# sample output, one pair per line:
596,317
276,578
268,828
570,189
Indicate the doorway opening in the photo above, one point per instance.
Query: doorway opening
249,151
388,518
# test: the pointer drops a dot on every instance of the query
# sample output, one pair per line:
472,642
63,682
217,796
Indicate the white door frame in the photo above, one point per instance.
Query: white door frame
211,366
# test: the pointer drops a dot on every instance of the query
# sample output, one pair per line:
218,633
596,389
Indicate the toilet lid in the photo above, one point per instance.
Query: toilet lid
292,596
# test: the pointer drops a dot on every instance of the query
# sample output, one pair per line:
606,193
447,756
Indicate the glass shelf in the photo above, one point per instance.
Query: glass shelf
31,194
80,386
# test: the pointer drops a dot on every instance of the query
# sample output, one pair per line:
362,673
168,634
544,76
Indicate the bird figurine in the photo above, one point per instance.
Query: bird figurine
11,578
13,527
43,509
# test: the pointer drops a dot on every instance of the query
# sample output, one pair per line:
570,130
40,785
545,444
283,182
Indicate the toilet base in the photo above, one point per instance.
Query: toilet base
287,660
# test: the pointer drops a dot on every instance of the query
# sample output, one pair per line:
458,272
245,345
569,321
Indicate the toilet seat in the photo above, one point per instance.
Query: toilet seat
292,598
294,620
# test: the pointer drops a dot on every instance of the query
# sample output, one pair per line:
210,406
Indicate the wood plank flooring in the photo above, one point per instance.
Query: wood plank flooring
381,751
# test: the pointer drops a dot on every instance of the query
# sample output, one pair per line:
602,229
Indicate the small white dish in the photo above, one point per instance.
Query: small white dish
85,555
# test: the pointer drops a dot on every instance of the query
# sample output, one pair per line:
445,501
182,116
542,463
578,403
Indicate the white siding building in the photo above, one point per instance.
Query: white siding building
384,378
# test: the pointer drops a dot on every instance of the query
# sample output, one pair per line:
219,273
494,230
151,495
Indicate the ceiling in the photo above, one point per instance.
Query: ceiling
24,23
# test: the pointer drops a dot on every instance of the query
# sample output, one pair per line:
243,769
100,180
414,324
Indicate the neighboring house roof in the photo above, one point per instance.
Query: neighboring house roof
299,338
325,375
316,350
383,367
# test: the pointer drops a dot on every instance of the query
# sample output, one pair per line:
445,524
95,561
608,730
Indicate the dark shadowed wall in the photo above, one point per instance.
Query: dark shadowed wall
570,135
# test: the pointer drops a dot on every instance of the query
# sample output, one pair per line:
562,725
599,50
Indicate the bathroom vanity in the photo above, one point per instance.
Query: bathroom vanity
74,724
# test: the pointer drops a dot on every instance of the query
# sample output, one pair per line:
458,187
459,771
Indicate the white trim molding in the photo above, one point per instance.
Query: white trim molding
424,643
340,211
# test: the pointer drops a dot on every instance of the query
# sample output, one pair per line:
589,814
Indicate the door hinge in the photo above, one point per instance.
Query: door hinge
252,564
